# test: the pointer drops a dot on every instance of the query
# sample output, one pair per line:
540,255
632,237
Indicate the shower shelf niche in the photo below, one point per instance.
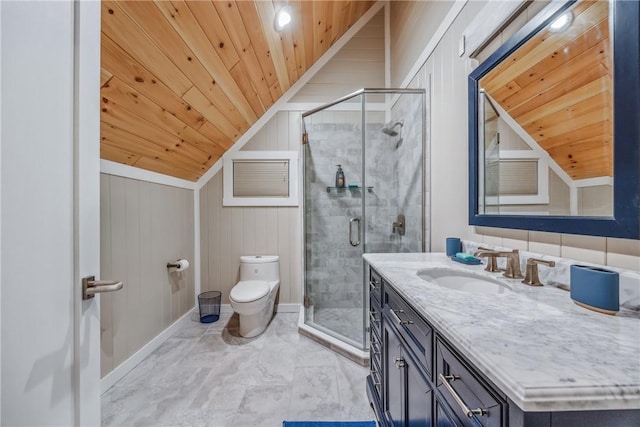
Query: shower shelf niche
340,189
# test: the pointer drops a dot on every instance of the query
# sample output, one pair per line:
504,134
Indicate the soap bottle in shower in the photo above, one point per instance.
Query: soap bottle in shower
339,177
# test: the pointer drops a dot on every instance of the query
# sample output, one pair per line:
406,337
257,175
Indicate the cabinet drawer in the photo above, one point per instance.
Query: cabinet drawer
415,331
375,285
461,388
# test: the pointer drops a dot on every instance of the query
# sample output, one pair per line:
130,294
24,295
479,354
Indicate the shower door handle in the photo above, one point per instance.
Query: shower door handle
351,221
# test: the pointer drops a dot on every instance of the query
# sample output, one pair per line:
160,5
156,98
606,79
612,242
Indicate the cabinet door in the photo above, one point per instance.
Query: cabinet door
443,418
394,377
419,394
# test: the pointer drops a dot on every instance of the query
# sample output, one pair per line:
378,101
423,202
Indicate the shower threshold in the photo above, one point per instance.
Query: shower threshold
344,349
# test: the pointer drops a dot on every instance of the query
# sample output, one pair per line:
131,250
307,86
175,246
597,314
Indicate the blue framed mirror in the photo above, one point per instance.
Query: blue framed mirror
554,124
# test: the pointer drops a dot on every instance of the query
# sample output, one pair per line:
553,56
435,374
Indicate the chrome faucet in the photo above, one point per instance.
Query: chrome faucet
513,262
532,278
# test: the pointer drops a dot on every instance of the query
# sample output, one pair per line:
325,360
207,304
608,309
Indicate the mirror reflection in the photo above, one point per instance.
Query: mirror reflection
545,118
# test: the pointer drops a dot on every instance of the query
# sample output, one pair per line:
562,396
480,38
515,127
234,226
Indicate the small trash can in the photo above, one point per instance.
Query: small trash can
209,306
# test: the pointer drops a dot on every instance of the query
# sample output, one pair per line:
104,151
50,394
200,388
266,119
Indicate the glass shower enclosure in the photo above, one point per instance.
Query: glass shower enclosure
376,138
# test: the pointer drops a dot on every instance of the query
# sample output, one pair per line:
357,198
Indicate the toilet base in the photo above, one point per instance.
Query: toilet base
252,325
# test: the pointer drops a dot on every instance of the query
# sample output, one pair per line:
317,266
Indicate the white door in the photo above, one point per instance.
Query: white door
49,188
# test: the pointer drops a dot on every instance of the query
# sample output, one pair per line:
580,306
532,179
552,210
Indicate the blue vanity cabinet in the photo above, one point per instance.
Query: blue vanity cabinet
407,393
418,378
472,401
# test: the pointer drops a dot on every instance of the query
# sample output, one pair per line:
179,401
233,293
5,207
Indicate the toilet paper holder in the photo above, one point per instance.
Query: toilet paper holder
181,264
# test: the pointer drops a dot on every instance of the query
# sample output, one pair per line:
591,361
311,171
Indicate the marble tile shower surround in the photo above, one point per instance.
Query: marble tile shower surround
559,276
207,375
408,170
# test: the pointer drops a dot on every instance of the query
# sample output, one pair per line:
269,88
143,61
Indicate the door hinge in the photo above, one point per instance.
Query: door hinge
307,302
305,138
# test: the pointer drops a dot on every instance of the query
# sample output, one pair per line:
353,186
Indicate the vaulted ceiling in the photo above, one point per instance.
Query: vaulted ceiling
558,87
181,81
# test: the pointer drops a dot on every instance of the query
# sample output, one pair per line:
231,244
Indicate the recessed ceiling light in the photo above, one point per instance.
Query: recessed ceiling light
283,17
561,23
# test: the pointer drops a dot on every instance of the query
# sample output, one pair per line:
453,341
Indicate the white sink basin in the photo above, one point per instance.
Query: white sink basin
463,281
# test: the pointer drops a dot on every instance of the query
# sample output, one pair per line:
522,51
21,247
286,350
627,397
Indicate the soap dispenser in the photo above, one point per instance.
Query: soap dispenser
339,177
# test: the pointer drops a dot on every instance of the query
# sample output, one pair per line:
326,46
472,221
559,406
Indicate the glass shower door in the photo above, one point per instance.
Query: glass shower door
333,223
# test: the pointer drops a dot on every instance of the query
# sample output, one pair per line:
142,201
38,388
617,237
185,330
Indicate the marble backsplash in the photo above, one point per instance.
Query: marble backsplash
559,276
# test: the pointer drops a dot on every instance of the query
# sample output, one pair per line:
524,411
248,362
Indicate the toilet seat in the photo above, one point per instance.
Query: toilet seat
249,290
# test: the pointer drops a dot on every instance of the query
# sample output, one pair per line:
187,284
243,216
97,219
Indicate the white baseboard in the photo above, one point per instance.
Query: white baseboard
288,308
123,369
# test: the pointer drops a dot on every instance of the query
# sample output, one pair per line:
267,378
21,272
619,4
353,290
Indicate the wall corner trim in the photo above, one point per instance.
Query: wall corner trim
293,90
118,169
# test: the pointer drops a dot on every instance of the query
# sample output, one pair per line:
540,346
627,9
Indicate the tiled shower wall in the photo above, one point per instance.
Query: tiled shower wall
333,266
409,168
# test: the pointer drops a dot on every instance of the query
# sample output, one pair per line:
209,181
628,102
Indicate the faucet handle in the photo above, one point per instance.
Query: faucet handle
532,278
513,265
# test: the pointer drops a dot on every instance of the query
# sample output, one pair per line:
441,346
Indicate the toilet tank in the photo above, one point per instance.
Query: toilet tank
260,267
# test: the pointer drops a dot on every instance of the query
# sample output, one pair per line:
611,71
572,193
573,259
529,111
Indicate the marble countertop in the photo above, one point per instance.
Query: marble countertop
541,349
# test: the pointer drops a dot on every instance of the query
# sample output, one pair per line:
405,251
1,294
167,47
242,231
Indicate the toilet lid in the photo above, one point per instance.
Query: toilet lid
249,290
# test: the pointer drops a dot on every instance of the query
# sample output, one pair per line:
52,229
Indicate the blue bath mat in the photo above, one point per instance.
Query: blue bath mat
328,424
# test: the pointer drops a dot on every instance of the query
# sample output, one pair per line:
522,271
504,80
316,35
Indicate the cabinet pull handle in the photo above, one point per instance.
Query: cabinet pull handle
398,320
373,285
465,409
374,377
400,362
372,316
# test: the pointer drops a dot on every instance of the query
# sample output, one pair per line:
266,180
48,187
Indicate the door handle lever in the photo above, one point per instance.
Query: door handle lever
91,286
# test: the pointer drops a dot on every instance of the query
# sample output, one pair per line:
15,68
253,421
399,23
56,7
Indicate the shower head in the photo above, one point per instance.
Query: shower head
390,129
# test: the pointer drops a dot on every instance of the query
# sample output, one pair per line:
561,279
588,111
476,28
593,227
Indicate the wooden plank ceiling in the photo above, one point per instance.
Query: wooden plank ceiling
558,87
181,81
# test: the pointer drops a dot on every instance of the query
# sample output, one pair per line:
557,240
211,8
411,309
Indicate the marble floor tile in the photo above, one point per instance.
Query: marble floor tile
264,406
208,375
314,395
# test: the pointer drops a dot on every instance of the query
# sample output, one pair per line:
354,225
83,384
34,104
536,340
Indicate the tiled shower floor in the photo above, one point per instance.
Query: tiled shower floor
206,375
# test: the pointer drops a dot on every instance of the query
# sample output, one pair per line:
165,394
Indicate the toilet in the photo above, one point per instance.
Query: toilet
254,296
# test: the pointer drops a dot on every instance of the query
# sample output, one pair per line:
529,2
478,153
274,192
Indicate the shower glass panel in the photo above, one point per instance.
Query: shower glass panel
377,138
333,222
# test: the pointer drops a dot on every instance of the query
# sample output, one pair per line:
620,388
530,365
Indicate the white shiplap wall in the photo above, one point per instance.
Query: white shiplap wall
413,23
142,227
226,233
